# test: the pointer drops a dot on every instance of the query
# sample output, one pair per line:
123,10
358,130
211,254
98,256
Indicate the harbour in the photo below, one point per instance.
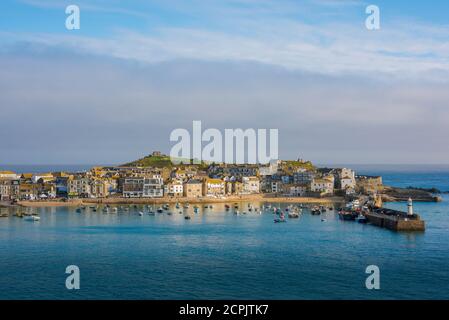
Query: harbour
222,255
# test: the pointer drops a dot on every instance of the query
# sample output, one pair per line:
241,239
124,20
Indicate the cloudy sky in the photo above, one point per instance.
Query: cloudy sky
115,89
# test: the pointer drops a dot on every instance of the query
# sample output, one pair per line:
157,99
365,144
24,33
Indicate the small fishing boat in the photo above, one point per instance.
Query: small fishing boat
186,206
346,215
140,213
281,218
187,217
315,211
151,213
160,210
361,219
293,215
32,218
177,205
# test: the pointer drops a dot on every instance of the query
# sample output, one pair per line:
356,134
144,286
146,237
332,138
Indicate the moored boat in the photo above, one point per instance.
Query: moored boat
361,219
346,215
32,218
293,215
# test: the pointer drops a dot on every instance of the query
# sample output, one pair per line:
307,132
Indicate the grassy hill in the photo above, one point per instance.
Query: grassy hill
292,165
161,161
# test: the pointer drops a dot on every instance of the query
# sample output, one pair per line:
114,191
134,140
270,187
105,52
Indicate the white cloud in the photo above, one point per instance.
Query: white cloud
332,49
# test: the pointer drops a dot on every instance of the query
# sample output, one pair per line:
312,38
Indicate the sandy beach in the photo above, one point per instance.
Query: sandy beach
230,199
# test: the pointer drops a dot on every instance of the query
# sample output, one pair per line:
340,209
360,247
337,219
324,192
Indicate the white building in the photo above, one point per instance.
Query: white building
9,175
346,179
174,188
276,186
322,185
143,187
269,169
251,185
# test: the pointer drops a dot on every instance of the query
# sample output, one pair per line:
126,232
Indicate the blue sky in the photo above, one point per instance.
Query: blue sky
101,17
113,90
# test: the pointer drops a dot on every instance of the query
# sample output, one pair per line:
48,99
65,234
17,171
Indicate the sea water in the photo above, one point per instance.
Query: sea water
219,255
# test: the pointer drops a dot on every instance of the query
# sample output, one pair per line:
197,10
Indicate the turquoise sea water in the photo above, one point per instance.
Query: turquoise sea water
217,255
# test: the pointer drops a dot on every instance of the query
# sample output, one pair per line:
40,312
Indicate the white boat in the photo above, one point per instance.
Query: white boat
140,213
293,215
32,218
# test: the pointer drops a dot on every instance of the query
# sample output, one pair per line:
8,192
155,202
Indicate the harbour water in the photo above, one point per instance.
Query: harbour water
218,255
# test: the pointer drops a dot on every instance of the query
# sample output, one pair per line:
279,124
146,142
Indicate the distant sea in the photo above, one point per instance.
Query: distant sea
41,168
218,255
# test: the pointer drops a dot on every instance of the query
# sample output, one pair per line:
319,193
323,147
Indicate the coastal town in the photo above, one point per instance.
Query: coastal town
154,179
292,179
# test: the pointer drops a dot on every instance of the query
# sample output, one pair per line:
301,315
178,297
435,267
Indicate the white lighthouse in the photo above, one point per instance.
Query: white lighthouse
410,207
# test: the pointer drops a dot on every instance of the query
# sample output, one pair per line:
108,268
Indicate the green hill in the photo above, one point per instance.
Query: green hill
164,161
160,161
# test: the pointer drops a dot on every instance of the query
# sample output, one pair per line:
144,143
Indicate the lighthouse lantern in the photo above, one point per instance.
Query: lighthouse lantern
410,207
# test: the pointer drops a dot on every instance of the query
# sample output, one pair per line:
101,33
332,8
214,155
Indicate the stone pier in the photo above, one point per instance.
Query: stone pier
395,220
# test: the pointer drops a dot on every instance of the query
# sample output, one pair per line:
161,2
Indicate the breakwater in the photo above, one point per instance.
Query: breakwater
395,220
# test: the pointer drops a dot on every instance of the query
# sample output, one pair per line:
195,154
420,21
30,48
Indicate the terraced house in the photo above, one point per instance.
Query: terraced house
251,185
193,188
214,187
143,187
9,189
78,186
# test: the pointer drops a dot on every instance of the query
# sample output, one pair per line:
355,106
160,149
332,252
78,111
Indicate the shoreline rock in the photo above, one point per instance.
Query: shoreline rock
395,194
